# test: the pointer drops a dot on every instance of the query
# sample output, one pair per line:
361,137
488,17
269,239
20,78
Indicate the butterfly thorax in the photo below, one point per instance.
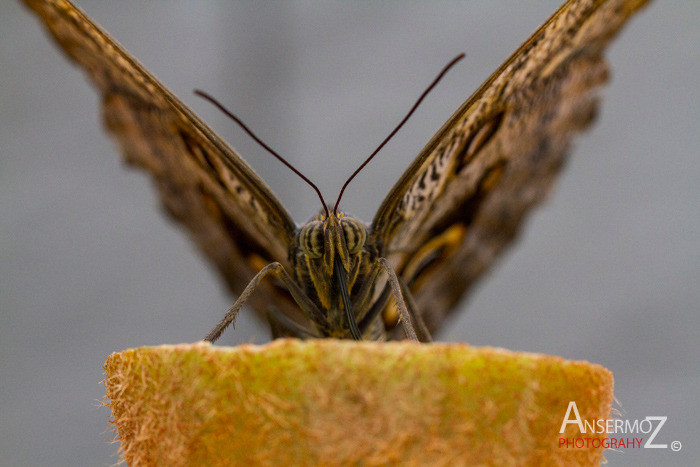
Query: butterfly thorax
325,244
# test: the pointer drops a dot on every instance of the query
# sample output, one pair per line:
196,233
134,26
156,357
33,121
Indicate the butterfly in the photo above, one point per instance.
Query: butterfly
441,226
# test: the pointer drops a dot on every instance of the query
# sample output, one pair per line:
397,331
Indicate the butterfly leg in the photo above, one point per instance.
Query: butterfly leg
278,270
283,326
416,318
404,315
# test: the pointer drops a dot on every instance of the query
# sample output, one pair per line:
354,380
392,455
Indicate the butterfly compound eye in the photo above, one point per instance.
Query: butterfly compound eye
355,233
311,239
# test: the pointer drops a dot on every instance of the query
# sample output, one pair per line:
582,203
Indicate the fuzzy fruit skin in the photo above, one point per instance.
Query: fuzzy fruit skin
339,402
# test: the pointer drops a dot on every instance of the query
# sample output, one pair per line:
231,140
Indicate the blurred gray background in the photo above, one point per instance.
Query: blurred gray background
606,271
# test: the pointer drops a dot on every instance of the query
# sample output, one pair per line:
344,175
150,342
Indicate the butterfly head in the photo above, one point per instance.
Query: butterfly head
327,237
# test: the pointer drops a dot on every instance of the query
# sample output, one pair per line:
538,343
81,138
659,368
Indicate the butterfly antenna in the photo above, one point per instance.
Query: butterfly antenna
261,143
408,115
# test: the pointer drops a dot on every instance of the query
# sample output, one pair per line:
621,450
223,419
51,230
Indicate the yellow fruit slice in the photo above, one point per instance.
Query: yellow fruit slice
340,402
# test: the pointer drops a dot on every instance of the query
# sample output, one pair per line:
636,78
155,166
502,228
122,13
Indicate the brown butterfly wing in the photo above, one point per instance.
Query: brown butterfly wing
229,211
463,199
